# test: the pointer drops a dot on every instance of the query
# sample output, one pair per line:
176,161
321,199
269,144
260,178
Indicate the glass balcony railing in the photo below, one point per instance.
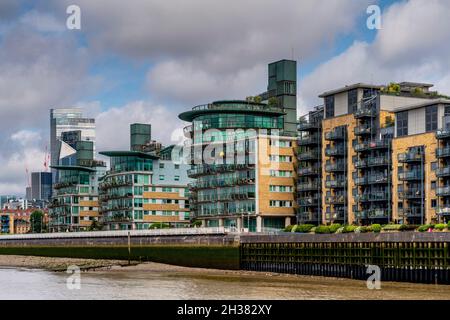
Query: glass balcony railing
338,166
360,164
443,191
377,161
336,184
443,152
306,126
372,213
410,194
372,145
335,199
309,201
443,133
365,112
308,171
362,130
237,105
443,172
335,151
308,140
199,170
410,175
411,212
410,157
308,155
308,186
372,197
336,134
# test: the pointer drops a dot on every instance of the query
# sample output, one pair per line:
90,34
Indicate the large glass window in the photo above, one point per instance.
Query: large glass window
431,118
402,123
230,120
131,163
329,106
352,101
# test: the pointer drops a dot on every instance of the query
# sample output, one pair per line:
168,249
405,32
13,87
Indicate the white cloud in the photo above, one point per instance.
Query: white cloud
26,137
43,22
412,46
113,125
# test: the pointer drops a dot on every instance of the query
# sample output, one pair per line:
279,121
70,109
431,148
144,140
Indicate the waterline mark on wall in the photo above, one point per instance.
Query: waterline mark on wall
74,280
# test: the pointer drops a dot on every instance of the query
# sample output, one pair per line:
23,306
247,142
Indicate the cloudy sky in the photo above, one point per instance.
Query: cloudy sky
148,60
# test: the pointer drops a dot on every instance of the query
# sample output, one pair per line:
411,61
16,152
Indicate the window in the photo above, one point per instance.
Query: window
433,203
352,101
431,118
402,123
433,185
177,178
329,106
161,165
161,177
177,166
434,166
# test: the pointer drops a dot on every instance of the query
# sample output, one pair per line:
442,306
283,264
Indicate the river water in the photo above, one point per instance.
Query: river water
169,284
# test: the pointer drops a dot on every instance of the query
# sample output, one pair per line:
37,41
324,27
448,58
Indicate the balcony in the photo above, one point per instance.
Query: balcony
308,140
377,161
372,197
444,211
362,130
308,171
443,172
410,194
309,201
335,184
334,151
308,126
200,170
443,191
410,175
308,186
378,178
372,145
372,213
361,181
443,134
335,200
336,134
307,216
309,155
410,157
411,212
365,113
338,166
443,152
359,164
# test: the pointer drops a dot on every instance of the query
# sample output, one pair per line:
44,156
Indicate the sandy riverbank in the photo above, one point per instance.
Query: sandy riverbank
58,264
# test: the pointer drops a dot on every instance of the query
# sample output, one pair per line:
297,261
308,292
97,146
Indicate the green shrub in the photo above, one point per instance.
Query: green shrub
349,229
158,225
289,228
304,228
425,227
440,226
313,229
392,227
361,229
408,227
375,227
340,230
334,227
322,229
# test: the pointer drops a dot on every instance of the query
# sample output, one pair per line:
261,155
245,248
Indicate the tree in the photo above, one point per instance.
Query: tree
95,226
272,101
257,99
37,221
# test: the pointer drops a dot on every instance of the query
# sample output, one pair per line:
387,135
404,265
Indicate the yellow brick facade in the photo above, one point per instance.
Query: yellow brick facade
400,145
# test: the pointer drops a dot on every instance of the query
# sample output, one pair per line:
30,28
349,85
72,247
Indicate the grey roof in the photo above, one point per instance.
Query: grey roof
427,102
350,87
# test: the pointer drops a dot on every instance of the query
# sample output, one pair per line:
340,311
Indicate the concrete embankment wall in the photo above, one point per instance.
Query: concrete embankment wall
208,251
404,256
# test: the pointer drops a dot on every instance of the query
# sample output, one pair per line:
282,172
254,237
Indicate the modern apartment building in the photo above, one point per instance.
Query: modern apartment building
144,186
75,204
377,143
242,156
64,120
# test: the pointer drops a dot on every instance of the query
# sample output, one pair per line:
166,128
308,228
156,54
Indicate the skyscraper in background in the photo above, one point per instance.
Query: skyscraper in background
64,120
41,185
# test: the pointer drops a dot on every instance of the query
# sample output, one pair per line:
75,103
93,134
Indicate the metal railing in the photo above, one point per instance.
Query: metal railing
120,233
